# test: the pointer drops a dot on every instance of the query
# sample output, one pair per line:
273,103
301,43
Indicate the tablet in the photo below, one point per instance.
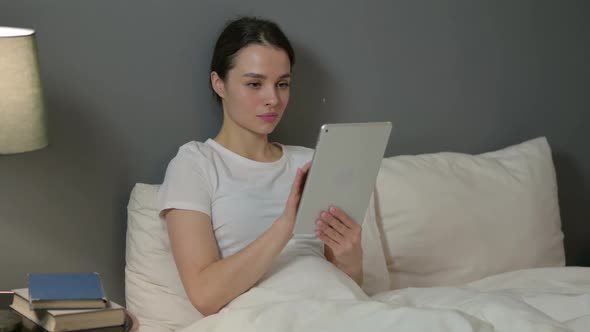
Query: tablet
343,172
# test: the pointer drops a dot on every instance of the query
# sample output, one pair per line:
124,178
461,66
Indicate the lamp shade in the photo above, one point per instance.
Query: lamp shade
22,110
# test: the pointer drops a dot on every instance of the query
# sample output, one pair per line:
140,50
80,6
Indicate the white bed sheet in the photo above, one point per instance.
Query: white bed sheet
307,293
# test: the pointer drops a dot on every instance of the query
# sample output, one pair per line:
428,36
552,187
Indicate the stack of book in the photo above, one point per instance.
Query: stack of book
67,302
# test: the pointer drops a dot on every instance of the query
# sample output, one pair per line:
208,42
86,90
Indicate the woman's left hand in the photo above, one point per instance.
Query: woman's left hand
342,238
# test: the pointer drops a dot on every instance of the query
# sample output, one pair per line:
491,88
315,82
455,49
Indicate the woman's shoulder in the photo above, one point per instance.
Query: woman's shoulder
194,152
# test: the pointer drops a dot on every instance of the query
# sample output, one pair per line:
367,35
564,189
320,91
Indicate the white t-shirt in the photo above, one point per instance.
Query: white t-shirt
242,197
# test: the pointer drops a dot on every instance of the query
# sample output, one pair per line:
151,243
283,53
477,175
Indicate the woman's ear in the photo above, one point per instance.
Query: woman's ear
217,84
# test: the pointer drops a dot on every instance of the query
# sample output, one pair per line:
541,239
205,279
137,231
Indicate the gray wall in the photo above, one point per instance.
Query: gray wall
126,84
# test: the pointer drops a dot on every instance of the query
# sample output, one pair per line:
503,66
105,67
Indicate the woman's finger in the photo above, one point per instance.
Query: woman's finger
295,194
327,240
334,223
331,232
296,182
307,166
343,217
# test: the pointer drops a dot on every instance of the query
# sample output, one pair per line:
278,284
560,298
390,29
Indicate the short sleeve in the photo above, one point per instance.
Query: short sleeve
186,185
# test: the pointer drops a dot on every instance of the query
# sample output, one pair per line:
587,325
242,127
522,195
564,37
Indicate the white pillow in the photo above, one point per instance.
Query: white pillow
154,291
451,218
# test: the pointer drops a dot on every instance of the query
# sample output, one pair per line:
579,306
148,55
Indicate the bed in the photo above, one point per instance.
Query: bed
451,242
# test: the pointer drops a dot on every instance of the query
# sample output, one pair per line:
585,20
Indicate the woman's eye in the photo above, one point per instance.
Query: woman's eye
284,85
254,84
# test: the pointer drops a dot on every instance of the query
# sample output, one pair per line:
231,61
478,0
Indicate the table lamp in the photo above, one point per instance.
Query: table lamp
22,109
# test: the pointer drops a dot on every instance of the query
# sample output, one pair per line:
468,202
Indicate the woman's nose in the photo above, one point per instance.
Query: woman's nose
272,97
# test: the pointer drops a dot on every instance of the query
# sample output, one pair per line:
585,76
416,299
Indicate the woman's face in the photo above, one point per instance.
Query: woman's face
255,92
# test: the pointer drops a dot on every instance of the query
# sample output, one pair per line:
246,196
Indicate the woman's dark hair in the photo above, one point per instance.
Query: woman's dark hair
240,33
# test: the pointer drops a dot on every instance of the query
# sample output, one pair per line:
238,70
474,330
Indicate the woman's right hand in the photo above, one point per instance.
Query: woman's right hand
290,212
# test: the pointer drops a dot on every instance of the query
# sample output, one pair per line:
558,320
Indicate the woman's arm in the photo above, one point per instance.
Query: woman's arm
211,282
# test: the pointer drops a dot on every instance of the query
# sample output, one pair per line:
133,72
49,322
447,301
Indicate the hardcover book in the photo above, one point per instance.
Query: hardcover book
66,291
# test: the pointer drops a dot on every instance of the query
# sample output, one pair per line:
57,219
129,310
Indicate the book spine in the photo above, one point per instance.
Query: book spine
30,299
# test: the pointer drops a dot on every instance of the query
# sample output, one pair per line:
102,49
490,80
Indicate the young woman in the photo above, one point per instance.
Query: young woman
229,203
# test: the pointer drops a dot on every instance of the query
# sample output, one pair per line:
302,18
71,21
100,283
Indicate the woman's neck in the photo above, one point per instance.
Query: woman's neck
248,144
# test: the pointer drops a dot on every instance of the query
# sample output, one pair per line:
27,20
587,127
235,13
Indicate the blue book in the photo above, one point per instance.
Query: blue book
66,291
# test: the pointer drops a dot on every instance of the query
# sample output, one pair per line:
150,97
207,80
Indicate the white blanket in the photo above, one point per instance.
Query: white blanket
307,293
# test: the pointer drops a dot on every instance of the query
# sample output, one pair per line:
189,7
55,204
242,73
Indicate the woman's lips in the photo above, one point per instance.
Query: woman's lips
269,117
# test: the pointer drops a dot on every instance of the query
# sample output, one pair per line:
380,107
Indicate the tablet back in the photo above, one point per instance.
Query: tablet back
345,164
